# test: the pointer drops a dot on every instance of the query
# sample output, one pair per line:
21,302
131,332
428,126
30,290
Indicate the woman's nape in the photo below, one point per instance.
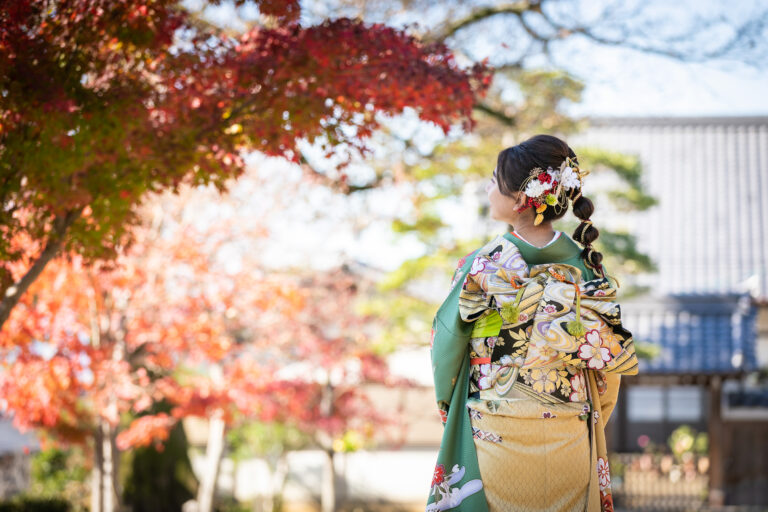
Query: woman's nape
509,209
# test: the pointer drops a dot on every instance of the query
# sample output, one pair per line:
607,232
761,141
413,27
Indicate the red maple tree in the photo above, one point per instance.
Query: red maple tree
105,101
92,349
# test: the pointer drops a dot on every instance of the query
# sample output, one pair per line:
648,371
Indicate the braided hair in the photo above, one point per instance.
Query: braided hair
514,165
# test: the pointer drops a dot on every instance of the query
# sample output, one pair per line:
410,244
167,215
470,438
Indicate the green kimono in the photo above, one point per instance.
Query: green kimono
456,483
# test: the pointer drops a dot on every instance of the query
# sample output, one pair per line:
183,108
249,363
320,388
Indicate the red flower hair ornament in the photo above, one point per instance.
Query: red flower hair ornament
552,187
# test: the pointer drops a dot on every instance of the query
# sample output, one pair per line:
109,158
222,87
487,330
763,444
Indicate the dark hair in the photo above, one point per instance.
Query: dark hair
514,165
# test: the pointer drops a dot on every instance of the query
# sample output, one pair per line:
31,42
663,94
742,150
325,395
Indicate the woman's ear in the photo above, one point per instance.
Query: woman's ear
520,200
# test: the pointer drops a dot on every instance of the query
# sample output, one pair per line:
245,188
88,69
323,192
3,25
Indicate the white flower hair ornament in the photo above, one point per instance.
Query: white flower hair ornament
552,187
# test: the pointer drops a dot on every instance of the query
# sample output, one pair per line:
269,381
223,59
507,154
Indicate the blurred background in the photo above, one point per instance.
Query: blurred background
227,226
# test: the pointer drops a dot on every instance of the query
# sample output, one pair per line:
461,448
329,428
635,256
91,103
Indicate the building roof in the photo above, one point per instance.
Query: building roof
709,232
679,121
696,334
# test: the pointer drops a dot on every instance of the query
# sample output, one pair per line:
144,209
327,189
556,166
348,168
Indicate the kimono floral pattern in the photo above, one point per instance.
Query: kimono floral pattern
443,416
484,374
457,271
446,490
477,267
562,383
593,351
558,384
439,475
540,350
604,481
545,381
602,384
578,388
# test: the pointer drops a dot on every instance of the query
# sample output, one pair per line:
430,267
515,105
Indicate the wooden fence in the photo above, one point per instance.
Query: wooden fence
659,481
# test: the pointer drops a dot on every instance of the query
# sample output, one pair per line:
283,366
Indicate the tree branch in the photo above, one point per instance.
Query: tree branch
14,292
344,188
723,50
746,35
496,114
451,27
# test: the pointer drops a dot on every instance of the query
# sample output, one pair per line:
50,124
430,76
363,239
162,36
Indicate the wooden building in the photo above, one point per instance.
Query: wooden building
708,317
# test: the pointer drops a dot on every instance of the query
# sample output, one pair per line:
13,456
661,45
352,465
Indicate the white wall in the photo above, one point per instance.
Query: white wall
396,476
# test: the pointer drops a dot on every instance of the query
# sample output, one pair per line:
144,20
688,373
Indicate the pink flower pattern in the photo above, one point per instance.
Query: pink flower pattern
577,388
478,265
593,352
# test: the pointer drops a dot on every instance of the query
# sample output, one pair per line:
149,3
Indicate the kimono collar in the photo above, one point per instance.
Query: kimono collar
564,248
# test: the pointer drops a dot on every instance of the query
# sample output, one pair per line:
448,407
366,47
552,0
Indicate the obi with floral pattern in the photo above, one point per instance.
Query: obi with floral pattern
535,349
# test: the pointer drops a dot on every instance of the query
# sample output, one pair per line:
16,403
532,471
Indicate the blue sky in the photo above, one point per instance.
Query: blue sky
628,83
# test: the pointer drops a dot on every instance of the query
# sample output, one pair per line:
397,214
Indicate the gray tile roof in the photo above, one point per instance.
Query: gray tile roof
696,333
709,232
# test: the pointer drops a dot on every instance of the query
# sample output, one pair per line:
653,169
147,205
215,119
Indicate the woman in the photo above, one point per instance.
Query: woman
527,350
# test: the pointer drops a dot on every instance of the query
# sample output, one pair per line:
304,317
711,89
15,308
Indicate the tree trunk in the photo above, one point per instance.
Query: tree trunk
327,485
279,479
105,483
105,493
328,489
272,500
12,294
214,449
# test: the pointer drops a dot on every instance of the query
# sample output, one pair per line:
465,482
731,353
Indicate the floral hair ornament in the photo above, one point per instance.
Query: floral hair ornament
552,187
